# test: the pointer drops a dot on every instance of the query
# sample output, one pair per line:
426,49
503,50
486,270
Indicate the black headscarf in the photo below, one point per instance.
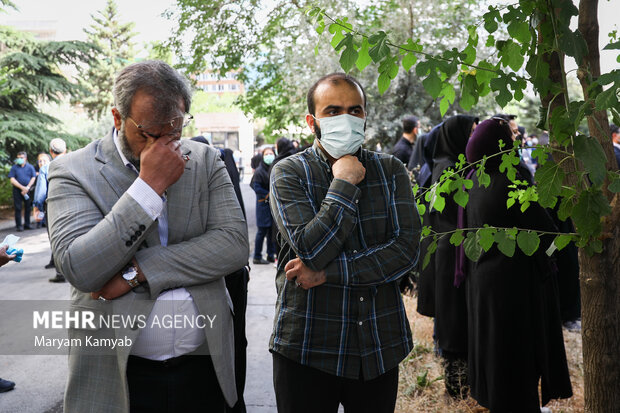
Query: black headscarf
261,174
285,148
451,141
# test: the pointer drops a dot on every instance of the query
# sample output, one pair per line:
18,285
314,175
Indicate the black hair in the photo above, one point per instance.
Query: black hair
505,116
409,123
614,129
333,78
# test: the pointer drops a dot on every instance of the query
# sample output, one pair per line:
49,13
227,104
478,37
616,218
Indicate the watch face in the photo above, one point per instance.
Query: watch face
130,273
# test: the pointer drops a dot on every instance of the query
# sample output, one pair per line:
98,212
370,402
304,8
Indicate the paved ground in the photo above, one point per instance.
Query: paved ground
41,379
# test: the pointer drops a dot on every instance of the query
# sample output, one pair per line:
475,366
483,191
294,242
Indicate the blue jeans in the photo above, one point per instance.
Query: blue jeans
258,243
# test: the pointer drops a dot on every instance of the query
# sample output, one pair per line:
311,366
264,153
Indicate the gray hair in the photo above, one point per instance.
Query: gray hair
155,78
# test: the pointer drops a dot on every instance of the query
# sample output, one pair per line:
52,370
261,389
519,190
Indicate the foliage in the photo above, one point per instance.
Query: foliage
112,40
519,62
271,42
203,102
30,75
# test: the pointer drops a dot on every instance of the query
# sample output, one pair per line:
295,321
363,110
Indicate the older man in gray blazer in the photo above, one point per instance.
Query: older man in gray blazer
137,220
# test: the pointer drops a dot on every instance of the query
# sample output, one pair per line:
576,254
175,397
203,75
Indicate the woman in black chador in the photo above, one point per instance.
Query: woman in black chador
450,307
514,326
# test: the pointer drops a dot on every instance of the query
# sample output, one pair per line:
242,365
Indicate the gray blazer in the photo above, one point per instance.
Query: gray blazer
95,230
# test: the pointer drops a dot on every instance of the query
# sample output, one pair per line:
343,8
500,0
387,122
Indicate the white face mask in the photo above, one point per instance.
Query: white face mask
341,135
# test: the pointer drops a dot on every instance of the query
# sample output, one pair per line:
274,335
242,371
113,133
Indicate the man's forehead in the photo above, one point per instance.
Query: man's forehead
337,93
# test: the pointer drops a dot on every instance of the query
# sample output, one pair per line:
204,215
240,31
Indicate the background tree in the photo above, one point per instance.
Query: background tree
31,75
115,50
581,179
272,44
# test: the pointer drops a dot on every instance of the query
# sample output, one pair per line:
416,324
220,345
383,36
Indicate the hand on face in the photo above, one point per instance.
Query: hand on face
161,163
350,169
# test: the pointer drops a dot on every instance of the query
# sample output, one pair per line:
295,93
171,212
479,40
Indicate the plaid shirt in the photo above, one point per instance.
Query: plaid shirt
366,238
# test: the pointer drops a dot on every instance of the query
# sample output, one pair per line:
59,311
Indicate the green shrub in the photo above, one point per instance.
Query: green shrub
6,189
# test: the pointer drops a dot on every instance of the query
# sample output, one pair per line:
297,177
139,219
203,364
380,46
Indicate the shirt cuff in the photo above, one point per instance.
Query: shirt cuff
344,193
146,197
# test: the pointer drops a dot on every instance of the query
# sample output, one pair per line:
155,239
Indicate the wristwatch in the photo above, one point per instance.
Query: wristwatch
130,274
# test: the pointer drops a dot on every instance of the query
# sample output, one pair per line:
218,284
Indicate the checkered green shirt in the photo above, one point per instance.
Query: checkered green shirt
366,238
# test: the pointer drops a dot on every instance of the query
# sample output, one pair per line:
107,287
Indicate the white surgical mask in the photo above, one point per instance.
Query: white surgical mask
341,135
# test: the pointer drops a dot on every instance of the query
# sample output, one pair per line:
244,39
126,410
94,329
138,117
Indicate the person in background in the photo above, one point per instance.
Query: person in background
284,149
615,138
58,147
264,221
514,326
450,307
404,147
5,385
255,160
22,176
43,159
237,286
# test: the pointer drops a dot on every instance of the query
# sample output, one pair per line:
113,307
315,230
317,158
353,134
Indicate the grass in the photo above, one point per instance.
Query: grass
421,387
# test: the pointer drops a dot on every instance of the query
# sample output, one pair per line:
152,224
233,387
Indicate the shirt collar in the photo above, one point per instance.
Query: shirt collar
120,152
617,145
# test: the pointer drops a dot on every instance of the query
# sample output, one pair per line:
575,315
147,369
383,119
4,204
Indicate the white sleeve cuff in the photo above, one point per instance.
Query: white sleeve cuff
146,197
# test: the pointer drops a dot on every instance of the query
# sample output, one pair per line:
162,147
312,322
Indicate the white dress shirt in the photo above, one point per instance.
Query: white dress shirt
176,304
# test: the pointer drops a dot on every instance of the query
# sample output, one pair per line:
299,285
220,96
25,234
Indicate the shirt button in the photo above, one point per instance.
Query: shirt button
357,201
354,251
128,243
360,323
361,298
142,227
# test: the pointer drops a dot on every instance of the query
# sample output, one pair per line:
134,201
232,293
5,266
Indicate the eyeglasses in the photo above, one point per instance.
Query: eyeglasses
176,125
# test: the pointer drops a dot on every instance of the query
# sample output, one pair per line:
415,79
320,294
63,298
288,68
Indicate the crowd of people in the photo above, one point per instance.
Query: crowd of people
143,216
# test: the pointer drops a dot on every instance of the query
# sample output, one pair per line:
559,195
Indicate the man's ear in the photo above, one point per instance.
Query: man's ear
117,118
310,121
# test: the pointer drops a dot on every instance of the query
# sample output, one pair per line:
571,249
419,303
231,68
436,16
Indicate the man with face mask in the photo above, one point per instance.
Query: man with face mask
22,176
349,230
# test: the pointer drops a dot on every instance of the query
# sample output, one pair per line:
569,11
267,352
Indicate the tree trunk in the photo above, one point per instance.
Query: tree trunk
600,274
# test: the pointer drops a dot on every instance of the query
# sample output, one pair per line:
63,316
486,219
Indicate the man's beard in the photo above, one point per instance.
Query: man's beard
125,149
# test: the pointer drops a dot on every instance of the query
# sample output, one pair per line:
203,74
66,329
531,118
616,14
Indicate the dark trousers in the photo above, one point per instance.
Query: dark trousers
237,285
303,389
188,385
258,243
18,200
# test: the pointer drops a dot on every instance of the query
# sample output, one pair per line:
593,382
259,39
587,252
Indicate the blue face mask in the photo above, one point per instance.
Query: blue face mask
341,135
268,159
20,161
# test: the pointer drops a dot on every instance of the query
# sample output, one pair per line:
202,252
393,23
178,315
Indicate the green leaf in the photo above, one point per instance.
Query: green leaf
461,197
520,30
469,92
336,30
484,179
589,210
349,54
490,19
470,54
562,241
383,82
426,231
590,152
429,252
409,60
549,177
380,48
435,198
473,251
432,84
607,99
486,237
363,58
457,238
612,46
510,54
528,242
505,242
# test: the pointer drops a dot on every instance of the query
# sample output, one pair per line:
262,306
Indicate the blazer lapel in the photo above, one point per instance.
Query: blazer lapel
179,200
